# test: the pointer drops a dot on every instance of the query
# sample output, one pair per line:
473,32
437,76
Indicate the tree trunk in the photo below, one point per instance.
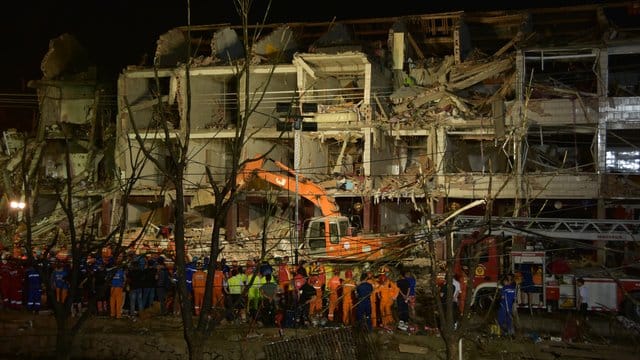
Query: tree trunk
64,338
452,350
451,343
196,349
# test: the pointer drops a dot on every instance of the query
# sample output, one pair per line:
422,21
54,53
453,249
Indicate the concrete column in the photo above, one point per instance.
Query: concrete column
603,90
367,210
398,54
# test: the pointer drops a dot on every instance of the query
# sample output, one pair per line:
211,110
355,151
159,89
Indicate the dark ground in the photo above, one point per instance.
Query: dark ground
538,337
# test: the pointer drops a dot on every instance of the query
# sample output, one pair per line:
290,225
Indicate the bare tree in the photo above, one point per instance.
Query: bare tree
174,168
78,229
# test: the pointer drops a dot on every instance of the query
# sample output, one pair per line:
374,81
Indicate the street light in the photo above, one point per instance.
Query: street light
17,205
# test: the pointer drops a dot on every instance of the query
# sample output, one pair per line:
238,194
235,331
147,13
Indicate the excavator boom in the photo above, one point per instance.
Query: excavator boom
306,188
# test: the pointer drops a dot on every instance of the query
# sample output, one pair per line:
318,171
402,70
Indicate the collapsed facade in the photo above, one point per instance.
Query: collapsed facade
537,109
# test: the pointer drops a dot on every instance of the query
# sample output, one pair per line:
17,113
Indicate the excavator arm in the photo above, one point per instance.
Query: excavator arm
306,188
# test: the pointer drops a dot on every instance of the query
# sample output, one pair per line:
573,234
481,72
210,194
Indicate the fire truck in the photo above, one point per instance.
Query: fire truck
547,256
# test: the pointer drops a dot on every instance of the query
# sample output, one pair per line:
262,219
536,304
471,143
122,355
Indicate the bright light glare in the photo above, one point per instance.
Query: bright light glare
17,205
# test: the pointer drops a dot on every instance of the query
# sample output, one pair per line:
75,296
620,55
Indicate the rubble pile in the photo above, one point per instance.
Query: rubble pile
440,90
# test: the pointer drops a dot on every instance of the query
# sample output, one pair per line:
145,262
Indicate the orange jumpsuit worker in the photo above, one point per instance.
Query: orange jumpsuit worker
318,269
315,308
388,291
348,286
116,298
199,281
218,291
334,285
375,294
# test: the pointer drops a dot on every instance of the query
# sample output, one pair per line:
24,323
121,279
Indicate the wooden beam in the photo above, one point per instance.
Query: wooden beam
415,46
508,45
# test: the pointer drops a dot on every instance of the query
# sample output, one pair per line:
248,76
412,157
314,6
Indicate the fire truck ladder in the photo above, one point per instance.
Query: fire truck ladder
577,229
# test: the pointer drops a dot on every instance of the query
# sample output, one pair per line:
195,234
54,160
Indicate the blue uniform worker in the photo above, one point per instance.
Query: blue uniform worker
507,297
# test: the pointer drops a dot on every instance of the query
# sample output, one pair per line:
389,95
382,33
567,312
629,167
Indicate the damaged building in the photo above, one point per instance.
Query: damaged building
538,109
535,109
73,139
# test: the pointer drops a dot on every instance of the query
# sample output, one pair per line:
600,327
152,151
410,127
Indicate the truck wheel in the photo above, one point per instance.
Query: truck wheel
484,299
631,309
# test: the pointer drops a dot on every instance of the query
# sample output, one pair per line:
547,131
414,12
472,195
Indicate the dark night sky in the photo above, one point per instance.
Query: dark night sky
117,32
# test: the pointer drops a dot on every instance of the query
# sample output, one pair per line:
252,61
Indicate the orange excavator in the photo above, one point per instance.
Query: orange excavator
329,237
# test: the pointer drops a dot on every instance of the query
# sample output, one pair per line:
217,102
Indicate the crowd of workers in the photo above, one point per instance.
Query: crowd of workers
304,294
274,293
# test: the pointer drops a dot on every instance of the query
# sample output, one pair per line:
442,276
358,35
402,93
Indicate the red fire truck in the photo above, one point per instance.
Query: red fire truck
547,256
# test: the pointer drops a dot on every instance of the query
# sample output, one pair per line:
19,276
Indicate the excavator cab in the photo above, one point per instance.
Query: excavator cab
324,235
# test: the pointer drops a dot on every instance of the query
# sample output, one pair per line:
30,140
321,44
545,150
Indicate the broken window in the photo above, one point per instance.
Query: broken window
214,101
561,73
147,111
552,148
475,156
624,75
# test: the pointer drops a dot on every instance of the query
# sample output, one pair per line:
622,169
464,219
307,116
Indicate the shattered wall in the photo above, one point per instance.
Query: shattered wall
206,152
213,102
270,88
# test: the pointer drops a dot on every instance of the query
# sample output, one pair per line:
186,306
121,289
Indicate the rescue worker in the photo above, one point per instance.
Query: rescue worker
163,283
388,291
135,282
364,293
199,281
218,287
106,255
226,269
60,283
582,299
250,268
285,278
34,289
462,296
315,307
116,299
190,268
412,294
402,301
375,294
298,281
149,274
318,269
11,275
265,268
348,286
102,288
235,303
385,270
334,285
307,295
5,283
269,298
254,293
507,297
